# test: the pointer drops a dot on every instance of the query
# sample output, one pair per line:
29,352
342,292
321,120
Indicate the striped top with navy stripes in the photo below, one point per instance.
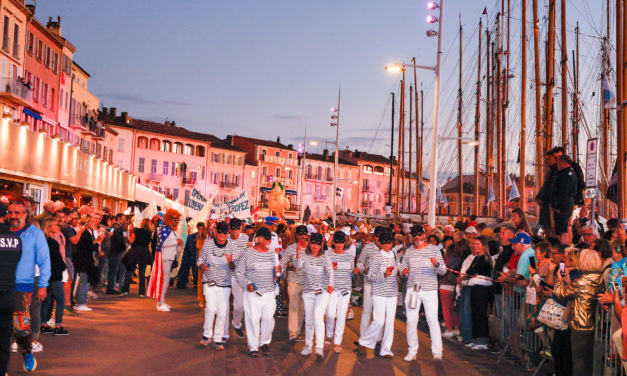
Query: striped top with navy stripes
289,258
381,285
422,272
214,255
363,262
317,272
258,268
239,246
342,275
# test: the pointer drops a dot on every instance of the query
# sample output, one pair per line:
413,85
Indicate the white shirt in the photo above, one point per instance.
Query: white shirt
169,249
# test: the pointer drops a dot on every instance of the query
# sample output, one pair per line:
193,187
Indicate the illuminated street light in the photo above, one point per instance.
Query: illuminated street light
432,19
431,5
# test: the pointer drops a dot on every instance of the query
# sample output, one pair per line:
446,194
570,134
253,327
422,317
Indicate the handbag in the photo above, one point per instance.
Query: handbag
552,314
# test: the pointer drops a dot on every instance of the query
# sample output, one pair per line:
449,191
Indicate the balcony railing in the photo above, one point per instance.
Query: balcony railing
228,185
190,180
154,178
312,177
320,198
279,160
16,91
367,204
367,189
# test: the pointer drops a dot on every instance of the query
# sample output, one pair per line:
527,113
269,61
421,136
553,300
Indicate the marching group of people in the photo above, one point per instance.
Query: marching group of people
459,275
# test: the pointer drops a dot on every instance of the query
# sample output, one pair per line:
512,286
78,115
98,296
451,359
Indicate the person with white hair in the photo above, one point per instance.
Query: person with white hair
48,214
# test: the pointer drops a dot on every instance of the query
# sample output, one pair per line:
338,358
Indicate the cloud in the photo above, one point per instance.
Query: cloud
287,117
129,99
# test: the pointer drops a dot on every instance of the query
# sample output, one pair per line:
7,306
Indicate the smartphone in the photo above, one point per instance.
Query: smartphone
532,262
562,268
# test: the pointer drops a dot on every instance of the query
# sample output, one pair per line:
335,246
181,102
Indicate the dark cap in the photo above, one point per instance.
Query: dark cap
235,224
339,237
316,238
264,232
379,230
386,237
301,230
417,230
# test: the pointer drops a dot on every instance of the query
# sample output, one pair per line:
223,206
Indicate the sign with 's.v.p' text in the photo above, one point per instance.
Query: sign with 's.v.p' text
592,154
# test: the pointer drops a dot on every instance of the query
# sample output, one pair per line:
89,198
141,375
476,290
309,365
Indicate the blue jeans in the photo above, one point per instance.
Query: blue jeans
187,262
465,315
55,291
82,289
112,274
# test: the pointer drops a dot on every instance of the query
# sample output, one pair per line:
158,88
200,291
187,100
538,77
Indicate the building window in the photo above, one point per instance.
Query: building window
236,179
55,62
5,35
167,146
155,144
289,174
203,173
215,178
200,151
239,161
229,159
30,43
188,150
140,166
277,153
186,196
278,172
142,143
166,168
264,171
16,41
153,166
178,148
175,193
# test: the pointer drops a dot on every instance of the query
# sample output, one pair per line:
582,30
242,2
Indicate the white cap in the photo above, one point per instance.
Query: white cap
311,229
214,216
471,230
451,228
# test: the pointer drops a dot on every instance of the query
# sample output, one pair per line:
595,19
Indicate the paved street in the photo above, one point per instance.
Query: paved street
127,336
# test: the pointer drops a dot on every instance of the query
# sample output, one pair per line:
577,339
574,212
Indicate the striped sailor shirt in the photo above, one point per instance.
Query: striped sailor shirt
365,257
342,274
289,258
258,268
381,285
421,269
214,256
317,271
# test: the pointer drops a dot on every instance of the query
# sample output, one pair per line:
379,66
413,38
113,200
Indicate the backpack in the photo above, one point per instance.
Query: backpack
581,183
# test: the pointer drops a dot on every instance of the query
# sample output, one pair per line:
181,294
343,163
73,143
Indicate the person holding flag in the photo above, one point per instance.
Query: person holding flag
167,249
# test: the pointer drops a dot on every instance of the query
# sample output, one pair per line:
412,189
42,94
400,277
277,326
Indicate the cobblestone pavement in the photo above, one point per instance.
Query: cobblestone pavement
127,336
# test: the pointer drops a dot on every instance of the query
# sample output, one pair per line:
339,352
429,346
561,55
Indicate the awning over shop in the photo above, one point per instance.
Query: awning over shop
147,195
265,189
32,113
291,192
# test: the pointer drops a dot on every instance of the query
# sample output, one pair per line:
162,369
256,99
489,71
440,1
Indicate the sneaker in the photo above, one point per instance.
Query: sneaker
409,357
82,308
142,296
60,331
265,350
218,346
437,357
167,305
225,339
293,339
253,354
163,308
30,363
386,356
319,353
70,310
337,349
37,346
470,345
123,294
205,341
45,329
51,323
306,351
448,334
92,295
13,346
239,332
480,347
360,350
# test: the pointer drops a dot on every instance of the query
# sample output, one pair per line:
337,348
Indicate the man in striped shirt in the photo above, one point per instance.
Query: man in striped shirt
238,243
295,283
343,265
421,265
214,261
363,263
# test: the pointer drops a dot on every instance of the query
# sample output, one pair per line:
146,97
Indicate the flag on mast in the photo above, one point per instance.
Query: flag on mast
513,193
608,96
508,181
491,196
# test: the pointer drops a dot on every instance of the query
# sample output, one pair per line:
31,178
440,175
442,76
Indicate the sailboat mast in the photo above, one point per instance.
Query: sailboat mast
523,109
489,124
499,112
418,142
550,79
564,67
460,166
478,124
539,165
410,134
575,128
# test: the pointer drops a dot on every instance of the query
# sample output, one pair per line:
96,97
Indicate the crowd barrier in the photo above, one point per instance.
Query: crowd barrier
527,345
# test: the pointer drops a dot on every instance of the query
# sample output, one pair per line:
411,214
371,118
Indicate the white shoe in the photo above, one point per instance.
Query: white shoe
448,334
165,304
306,351
480,347
163,308
437,356
319,353
51,323
14,347
409,357
82,308
37,347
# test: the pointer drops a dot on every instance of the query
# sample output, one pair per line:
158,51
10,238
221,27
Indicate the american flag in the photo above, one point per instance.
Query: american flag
155,285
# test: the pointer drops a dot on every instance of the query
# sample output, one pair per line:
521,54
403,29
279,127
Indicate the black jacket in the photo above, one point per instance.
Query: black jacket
565,190
57,265
118,243
10,253
545,194
85,249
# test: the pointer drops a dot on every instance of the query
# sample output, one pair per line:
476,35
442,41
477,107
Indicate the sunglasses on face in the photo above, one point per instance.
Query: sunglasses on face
267,237
316,241
222,231
236,228
301,233
386,241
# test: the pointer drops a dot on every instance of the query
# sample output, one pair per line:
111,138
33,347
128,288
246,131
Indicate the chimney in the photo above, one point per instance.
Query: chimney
173,123
167,122
105,111
325,154
229,140
290,146
113,112
54,26
124,116
278,139
31,7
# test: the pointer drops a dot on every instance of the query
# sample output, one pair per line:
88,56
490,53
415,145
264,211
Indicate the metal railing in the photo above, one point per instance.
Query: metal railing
16,87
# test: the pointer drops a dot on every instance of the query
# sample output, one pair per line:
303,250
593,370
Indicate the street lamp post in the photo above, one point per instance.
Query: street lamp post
434,146
335,117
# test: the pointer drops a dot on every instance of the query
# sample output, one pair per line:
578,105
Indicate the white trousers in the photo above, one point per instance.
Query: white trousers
315,308
383,315
430,301
217,301
167,267
259,318
366,308
238,307
336,315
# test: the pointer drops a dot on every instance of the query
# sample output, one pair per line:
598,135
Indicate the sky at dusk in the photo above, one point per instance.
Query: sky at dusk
271,68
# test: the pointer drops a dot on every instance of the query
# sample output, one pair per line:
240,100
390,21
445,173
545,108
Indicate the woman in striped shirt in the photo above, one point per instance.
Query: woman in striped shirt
382,274
214,261
255,273
343,265
318,275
